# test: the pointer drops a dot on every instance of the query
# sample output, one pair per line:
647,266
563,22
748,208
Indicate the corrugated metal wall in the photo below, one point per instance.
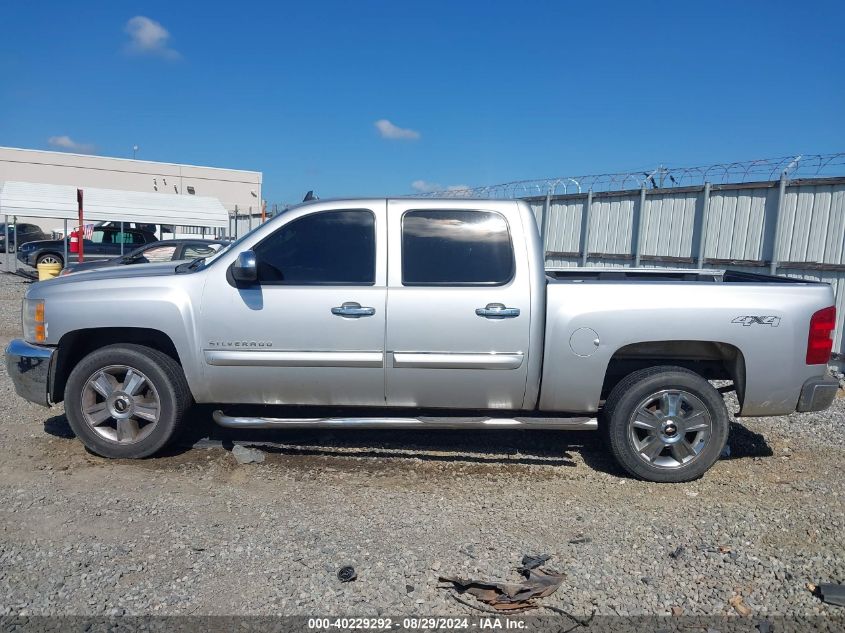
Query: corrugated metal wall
738,227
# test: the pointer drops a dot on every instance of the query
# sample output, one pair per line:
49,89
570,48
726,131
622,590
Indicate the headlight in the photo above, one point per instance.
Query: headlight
34,321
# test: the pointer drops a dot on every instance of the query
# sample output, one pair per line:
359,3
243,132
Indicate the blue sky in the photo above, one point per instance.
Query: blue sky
474,92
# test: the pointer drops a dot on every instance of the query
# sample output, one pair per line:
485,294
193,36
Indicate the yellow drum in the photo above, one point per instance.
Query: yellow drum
48,271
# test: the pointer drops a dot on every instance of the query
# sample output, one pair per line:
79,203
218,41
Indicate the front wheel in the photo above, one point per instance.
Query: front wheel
126,401
665,424
50,258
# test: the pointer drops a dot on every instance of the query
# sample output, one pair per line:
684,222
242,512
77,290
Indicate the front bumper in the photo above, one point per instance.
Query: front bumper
29,367
817,394
26,257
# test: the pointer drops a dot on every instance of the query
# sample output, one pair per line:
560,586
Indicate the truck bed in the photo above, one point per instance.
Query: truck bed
664,274
755,322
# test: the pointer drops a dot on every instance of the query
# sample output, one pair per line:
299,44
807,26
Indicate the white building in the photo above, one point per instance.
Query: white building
237,190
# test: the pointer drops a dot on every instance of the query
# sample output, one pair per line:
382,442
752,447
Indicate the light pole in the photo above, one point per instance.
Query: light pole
134,151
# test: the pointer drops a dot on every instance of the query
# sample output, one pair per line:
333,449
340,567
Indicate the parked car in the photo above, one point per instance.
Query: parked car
423,314
161,251
25,233
105,243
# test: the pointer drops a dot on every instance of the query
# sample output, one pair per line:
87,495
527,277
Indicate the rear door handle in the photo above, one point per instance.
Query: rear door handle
352,310
497,311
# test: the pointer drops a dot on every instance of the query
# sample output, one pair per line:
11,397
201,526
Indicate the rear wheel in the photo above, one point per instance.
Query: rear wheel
50,258
126,401
665,424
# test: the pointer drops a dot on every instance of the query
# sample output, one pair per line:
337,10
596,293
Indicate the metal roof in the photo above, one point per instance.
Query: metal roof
54,156
38,200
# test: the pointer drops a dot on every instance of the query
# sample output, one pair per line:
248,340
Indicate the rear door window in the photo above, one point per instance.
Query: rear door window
456,248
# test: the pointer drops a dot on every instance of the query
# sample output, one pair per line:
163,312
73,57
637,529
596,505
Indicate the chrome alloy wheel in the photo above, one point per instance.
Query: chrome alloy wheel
670,428
49,259
120,404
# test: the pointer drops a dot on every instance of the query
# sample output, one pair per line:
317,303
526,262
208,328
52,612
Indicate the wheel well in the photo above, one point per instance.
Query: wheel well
74,346
711,360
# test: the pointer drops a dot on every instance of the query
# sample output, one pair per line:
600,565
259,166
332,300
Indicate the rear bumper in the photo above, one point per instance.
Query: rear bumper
817,394
29,367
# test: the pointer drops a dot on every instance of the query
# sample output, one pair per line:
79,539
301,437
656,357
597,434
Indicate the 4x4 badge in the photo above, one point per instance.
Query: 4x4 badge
747,321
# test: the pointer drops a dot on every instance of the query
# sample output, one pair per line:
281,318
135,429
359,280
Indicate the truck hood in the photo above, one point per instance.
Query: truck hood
117,272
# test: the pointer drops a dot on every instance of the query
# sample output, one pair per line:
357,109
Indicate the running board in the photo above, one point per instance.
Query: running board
560,423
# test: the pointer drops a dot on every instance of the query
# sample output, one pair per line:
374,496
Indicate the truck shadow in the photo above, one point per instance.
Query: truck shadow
481,446
745,443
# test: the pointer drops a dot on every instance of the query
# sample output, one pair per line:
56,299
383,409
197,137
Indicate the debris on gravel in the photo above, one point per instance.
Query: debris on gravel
246,455
739,606
832,593
508,596
347,574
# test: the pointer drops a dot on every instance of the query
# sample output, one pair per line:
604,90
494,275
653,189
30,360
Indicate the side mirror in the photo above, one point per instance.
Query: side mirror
245,268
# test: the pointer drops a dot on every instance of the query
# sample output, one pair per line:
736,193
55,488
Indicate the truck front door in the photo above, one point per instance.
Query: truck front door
311,329
459,305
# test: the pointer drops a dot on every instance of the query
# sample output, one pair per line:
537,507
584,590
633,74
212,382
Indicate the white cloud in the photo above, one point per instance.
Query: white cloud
423,186
65,142
148,37
394,132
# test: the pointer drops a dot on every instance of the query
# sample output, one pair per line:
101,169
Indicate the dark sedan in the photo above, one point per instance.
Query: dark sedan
163,251
105,243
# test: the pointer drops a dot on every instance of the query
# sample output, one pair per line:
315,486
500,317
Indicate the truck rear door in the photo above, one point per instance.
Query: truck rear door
458,305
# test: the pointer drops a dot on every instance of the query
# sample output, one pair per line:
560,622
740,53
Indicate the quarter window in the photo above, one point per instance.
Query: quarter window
159,254
455,248
329,247
192,251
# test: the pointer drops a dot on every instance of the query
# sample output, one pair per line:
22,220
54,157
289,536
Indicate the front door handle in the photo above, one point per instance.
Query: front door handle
352,310
497,311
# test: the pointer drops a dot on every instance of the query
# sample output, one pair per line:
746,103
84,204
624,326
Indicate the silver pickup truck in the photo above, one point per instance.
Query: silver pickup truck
424,314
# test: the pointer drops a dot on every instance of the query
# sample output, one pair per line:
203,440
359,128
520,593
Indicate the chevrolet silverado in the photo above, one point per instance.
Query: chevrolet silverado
423,314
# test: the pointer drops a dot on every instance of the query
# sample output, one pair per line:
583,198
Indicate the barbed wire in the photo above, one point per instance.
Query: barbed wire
663,177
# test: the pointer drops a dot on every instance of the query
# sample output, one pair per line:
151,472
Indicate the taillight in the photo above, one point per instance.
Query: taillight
820,341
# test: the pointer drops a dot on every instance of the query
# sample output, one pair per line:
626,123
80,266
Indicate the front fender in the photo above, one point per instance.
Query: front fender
161,303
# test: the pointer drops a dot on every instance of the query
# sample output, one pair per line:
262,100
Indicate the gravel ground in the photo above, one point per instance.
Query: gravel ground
195,532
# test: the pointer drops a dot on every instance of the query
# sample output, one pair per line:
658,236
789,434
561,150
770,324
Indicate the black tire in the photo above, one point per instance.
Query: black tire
163,377
59,259
622,434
